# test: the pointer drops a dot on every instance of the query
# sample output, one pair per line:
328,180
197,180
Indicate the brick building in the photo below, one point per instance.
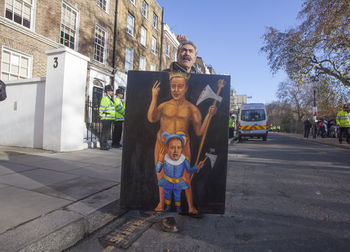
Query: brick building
31,27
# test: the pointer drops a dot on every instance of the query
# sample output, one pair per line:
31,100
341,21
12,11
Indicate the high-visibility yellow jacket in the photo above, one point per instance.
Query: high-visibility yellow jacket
119,109
231,123
343,119
107,108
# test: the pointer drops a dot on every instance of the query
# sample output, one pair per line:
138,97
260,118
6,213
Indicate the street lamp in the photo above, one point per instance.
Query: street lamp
314,109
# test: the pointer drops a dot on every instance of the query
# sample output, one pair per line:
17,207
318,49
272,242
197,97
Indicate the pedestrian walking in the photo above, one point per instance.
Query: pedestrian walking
307,127
119,118
343,122
107,115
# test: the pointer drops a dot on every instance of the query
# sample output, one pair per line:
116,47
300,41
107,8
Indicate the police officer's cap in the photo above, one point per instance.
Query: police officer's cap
108,88
119,91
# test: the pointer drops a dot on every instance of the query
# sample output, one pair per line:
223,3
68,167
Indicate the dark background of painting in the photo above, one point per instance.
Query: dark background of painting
139,188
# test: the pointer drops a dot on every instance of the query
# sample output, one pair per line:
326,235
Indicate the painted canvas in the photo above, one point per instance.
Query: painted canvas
175,142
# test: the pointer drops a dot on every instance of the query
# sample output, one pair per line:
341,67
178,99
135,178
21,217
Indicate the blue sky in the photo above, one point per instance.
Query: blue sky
228,35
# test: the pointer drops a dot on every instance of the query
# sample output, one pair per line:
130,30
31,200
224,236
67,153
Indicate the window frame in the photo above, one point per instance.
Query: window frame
76,31
167,49
128,30
31,13
153,65
106,7
154,45
143,60
131,62
144,4
21,55
143,39
104,46
155,21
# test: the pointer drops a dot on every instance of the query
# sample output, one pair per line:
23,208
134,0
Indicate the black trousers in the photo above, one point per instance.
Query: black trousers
230,132
344,131
106,132
117,132
306,132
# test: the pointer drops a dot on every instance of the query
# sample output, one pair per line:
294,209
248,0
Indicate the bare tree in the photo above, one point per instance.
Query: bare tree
319,46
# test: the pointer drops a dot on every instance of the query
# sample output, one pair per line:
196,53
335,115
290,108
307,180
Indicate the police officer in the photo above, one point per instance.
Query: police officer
107,114
343,122
231,126
119,117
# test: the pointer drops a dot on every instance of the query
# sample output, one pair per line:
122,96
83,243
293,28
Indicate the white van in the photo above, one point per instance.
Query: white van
252,121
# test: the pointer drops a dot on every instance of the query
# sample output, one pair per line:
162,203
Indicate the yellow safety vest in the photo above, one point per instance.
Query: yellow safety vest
107,108
119,109
343,119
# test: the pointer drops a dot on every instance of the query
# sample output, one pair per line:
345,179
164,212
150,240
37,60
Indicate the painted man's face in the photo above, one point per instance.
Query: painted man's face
187,56
178,88
174,148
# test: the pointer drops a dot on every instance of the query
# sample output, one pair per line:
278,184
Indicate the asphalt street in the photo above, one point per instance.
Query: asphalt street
284,194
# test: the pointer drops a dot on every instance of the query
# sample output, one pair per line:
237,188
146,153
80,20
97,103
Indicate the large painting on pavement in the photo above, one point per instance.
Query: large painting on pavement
175,142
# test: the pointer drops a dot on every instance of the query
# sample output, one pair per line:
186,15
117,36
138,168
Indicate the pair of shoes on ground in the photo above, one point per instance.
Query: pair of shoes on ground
169,225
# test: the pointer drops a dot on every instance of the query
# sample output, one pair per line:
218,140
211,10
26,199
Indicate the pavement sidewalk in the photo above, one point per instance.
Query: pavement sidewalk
49,201
320,140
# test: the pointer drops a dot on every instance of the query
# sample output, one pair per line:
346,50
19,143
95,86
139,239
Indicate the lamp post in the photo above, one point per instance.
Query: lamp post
314,109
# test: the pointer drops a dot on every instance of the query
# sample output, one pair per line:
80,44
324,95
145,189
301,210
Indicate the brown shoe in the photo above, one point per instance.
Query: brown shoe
169,225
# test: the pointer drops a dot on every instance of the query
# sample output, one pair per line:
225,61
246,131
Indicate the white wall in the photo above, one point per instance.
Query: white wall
66,79
48,112
21,122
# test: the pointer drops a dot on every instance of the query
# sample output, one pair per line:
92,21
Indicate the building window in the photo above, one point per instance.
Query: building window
15,65
142,65
102,4
19,11
68,34
153,67
129,59
155,20
144,9
143,36
154,45
130,24
100,44
167,49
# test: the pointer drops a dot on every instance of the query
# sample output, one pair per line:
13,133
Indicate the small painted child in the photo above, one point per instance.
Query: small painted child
174,163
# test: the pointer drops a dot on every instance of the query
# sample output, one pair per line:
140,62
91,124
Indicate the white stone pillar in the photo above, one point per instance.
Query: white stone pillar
65,100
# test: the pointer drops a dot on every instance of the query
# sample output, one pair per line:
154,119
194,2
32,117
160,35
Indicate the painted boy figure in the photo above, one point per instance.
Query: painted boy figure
174,164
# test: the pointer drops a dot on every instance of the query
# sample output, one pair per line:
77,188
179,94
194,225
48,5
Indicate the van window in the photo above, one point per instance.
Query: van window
253,115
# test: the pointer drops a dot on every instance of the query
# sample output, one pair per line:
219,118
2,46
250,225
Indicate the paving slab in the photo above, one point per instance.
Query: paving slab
25,158
24,205
35,178
3,185
101,172
7,167
59,164
76,188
